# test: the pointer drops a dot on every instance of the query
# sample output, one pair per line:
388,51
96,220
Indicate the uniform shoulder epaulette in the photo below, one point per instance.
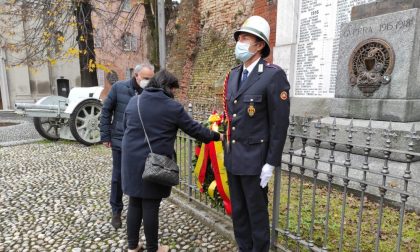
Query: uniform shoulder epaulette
273,66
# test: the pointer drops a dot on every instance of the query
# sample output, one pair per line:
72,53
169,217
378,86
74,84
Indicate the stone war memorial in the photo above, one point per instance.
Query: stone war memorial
354,69
376,101
378,68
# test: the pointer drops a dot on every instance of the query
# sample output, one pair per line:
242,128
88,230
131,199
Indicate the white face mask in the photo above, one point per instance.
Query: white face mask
242,52
143,83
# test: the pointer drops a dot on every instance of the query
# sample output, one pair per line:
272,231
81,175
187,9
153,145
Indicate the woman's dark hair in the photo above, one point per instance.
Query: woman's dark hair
163,79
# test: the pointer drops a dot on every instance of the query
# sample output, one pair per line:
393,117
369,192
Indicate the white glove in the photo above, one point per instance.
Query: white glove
266,173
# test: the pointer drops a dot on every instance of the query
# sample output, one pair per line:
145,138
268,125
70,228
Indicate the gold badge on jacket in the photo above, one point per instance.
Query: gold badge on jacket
251,110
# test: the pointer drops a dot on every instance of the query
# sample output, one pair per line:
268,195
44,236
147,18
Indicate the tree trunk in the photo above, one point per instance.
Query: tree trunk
83,15
150,7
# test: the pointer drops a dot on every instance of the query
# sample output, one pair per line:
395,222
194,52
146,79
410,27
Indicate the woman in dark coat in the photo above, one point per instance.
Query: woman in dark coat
162,117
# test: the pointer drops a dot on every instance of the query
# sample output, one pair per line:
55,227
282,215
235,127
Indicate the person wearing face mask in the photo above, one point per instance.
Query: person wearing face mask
256,103
111,128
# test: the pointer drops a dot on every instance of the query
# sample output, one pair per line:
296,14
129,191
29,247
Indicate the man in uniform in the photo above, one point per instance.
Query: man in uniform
111,127
256,97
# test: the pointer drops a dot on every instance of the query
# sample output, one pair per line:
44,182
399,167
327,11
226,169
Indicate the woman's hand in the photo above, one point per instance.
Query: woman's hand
222,137
107,144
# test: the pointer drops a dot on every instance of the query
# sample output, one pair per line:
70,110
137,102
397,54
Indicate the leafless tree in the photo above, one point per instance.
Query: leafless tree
44,31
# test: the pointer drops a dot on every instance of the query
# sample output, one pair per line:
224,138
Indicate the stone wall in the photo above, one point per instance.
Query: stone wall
202,51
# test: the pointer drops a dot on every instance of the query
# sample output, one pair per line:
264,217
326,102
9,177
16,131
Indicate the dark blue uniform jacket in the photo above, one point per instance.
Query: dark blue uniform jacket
259,113
162,117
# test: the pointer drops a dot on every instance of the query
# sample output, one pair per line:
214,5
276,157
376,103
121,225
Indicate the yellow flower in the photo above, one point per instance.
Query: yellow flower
214,118
52,61
73,51
103,67
60,39
91,65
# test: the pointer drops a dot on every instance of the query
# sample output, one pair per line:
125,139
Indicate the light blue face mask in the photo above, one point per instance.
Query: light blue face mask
242,52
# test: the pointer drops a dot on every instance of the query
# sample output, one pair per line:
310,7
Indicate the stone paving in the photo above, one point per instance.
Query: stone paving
24,131
54,197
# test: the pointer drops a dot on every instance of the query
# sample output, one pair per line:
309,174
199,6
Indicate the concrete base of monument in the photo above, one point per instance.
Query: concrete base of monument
378,129
310,107
382,7
374,177
394,110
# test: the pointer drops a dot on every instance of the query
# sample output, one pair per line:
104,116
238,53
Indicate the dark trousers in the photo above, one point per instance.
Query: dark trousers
116,190
249,213
148,211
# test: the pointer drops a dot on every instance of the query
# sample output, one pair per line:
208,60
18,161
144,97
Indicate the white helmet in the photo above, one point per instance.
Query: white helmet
259,27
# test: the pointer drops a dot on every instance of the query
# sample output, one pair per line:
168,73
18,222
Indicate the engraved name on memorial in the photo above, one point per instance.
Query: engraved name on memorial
317,45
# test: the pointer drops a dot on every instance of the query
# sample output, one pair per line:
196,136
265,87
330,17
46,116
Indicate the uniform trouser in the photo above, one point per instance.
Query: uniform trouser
148,211
116,190
249,213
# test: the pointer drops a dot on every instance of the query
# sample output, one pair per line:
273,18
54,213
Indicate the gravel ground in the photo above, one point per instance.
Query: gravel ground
24,129
54,197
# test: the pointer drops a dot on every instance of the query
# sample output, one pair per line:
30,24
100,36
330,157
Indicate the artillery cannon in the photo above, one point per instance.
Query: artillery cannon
74,118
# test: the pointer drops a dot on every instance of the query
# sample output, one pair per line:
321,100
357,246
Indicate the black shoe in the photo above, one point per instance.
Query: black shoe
116,220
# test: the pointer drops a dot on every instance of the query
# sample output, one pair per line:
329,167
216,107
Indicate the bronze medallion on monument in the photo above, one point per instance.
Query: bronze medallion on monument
371,65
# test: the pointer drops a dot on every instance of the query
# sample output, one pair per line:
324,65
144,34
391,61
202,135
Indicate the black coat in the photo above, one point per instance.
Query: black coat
259,113
111,124
162,117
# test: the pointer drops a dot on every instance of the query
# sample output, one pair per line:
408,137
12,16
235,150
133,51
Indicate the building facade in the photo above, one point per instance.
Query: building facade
119,46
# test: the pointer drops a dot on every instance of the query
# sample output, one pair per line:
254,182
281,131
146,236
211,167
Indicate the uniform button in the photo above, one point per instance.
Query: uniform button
262,141
233,128
235,101
233,141
234,115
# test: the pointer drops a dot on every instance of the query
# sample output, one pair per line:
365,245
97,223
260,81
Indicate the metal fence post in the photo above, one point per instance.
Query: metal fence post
190,168
276,206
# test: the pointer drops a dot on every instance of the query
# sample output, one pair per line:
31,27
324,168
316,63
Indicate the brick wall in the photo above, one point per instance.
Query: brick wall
202,51
184,47
268,10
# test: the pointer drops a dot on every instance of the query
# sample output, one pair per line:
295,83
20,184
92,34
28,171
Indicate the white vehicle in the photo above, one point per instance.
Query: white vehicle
73,118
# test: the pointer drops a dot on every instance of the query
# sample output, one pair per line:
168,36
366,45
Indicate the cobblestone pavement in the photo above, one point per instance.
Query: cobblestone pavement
24,129
54,197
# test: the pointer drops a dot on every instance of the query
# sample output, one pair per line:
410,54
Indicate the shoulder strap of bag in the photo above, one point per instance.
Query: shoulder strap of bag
141,120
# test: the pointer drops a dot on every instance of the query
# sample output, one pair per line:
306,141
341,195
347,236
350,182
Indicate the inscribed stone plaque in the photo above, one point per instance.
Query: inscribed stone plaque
397,99
399,31
317,45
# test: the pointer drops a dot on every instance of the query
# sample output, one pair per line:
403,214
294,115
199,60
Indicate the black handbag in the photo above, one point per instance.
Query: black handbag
158,169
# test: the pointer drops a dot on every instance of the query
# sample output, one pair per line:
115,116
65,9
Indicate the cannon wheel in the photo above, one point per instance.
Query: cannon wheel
84,122
47,127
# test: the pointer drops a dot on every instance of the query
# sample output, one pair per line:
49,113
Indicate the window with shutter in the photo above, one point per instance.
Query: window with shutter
126,42
126,5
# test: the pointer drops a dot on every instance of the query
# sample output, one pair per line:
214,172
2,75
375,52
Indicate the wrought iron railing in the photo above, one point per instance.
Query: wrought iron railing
334,193
185,149
322,169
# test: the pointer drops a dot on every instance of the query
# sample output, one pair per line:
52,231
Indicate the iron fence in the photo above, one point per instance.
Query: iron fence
185,149
367,185
333,193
